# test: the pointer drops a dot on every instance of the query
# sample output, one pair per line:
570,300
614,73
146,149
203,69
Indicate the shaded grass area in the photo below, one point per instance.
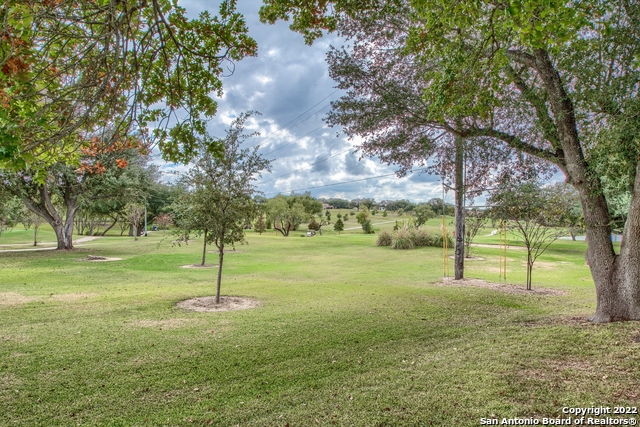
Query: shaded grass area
347,334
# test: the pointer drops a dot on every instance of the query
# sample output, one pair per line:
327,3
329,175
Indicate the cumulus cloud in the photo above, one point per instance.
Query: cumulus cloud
288,82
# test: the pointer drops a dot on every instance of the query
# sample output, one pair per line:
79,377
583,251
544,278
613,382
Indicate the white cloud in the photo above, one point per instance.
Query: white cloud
288,82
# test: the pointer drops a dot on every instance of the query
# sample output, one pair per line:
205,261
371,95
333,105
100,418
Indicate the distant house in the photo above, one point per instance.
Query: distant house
382,206
327,206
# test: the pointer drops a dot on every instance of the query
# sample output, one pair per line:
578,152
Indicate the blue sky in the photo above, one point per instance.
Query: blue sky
289,84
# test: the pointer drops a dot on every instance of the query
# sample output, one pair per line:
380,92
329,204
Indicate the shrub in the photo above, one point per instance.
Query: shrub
402,240
437,242
420,238
313,225
367,227
384,238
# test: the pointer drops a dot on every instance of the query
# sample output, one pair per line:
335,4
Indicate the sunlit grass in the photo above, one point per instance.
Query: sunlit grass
347,334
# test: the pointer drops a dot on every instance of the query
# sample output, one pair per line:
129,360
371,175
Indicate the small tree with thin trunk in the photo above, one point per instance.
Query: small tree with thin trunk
534,214
222,190
36,221
423,214
260,226
338,226
475,219
164,220
134,212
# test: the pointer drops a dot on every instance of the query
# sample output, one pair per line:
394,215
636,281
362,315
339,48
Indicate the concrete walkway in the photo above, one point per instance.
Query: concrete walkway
46,248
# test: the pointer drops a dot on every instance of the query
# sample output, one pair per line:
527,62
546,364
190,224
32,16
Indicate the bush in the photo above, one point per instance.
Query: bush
313,225
384,238
402,240
367,227
437,242
420,238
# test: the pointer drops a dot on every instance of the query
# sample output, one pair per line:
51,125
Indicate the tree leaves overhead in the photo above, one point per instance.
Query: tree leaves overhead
67,68
386,103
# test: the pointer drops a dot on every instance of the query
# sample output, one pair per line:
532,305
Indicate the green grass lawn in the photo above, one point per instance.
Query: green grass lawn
347,334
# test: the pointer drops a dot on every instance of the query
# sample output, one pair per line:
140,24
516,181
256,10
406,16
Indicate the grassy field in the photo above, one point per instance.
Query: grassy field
347,334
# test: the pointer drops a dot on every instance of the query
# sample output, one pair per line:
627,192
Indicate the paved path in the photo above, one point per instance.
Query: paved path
46,248
360,227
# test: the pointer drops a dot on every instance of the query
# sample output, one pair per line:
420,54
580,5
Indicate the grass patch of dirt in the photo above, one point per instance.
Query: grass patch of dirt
208,304
501,287
14,298
164,324
72,297
199,266
95,258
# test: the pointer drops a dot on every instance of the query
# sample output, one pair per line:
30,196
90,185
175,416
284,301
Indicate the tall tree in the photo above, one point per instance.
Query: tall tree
286,217
566,72
423,214
55,193
385,106
67,67
222,189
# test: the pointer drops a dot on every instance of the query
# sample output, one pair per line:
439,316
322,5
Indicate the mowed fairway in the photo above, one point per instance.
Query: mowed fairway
347,334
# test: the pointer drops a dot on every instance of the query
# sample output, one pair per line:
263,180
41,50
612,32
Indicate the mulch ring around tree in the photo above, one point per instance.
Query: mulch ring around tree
96,258
199,266
501,287
227,303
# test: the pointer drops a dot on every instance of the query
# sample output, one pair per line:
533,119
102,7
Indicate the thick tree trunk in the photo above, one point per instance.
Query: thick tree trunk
62,227
617,277
220,259
64,234
459,193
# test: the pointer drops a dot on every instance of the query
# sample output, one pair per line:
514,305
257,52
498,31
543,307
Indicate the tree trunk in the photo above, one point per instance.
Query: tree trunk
110,227
529,269
204,248
220,259
63,235
35,235
459,193
617,277
45,208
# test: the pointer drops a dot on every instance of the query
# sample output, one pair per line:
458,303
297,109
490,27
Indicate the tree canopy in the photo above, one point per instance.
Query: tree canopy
68,68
